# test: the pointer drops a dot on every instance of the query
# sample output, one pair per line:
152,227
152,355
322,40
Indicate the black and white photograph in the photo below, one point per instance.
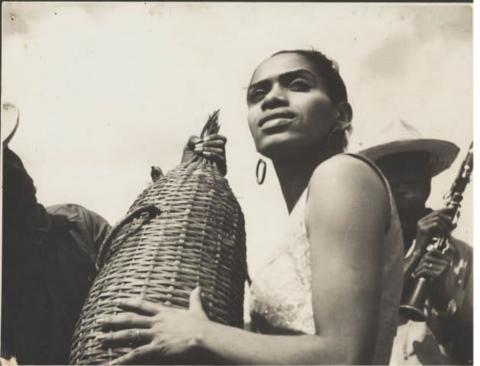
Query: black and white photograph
237,183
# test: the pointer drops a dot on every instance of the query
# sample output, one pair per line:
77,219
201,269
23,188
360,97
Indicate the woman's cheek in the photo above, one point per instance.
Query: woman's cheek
252,125
318,113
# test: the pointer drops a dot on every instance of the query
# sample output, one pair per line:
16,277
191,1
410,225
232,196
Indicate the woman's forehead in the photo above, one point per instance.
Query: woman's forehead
281,64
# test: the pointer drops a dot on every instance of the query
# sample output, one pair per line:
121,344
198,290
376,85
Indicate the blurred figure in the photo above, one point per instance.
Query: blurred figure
409,164
48,263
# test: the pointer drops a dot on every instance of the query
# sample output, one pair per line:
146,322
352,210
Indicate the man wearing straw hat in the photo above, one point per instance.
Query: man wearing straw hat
48,264
409,163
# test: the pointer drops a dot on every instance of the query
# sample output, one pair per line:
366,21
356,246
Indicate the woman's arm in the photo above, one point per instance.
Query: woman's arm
347,214
346,217
163,334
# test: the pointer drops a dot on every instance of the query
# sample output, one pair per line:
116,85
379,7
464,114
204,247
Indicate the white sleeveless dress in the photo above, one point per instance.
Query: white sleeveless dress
281,297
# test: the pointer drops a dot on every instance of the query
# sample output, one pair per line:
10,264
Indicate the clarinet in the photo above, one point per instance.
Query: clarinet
413,302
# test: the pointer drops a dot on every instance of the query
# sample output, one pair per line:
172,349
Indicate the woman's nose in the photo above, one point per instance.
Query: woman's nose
276,97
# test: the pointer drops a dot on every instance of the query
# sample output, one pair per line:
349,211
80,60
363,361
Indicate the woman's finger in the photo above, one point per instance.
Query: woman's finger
126,338
213,150
126,321
214,143
139,306
202,148
195,303
216,136
192,141
137,356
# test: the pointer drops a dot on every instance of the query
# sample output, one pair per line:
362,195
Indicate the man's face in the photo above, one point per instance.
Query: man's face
410,179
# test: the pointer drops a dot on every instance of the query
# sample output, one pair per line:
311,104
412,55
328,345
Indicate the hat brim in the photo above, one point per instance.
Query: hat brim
442,153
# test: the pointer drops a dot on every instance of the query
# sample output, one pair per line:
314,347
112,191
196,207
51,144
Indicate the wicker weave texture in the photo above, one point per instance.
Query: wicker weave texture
197,238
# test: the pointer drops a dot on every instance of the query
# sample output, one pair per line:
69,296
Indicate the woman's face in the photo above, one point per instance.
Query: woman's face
288,106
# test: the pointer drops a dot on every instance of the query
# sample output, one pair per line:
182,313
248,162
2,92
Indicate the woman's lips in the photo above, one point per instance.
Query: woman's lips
275,120
273,124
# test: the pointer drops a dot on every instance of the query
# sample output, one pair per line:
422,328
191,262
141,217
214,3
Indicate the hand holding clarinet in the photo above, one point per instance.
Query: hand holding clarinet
432,250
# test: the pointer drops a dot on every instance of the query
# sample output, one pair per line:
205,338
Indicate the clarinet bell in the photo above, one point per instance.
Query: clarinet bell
413,306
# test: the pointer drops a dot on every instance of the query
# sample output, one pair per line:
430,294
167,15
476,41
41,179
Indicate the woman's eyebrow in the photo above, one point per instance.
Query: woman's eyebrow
300,72
286,75
258,83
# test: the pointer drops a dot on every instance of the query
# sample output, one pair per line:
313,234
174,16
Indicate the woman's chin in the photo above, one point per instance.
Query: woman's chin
275,145
279,146
277,150
270,146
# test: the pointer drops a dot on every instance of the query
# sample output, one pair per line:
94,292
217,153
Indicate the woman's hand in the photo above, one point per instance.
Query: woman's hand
212,146
158,333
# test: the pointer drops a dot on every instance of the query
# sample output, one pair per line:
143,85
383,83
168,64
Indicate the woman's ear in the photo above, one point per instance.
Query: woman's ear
344,116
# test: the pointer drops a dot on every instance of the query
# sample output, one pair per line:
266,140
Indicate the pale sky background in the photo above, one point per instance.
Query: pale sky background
107,90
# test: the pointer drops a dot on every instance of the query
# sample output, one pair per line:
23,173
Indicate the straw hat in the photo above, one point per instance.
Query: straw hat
399,136
10,121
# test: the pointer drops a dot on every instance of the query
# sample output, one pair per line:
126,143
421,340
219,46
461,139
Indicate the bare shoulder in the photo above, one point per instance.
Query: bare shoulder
345,172
345,217
347,191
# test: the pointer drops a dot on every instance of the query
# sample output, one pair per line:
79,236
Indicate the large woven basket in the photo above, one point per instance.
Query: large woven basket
185,230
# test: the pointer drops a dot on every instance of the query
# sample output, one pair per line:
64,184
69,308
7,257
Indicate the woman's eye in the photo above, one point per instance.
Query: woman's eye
256,95
299,85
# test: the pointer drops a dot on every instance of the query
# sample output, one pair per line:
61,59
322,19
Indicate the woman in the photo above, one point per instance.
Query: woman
338,293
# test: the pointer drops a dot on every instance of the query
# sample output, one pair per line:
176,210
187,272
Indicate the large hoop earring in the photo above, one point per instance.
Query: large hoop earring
261,171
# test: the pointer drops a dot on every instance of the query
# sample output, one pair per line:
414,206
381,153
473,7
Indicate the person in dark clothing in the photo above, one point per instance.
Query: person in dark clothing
49,257
48,265
409,163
